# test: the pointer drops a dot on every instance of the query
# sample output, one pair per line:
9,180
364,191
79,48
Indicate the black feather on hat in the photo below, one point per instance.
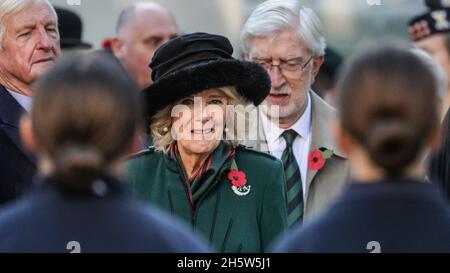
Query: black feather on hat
195,62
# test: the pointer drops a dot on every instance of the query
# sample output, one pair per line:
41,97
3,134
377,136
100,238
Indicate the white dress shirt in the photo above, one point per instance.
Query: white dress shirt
25,101
301,145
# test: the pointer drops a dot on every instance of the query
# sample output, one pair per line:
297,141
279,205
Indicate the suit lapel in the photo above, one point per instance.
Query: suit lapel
321,137
10,114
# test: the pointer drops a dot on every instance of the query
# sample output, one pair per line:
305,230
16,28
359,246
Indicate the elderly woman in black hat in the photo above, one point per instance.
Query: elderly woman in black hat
233,196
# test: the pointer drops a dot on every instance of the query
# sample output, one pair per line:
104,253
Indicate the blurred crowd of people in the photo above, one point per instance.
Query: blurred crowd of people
164,142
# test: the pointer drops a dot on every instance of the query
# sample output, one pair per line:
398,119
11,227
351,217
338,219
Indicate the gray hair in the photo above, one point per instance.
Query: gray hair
436,69
8,7
273,16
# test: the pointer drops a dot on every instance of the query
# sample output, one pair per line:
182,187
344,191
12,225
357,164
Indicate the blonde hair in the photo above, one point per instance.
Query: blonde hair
161,123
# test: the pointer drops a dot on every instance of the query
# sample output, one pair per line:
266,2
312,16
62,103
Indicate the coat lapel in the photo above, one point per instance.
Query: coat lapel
322,135
222,219
10,114
216,184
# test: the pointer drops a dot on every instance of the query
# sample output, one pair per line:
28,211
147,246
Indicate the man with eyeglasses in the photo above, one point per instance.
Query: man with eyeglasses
285,38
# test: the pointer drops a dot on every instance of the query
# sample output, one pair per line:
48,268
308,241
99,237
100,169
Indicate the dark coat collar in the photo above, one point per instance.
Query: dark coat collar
220,163
391,191
10,109
220,155
216,177
113,185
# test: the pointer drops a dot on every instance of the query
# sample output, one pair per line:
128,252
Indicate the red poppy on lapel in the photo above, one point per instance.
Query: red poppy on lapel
237,178
316,161
317,158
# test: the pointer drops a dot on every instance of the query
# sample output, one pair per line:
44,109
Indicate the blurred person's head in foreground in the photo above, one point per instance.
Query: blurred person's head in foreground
388,113
84,119
141,29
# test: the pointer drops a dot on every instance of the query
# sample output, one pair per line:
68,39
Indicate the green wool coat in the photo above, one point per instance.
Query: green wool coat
231,222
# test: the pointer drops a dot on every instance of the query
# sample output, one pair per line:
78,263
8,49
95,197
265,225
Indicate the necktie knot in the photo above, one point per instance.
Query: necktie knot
289,136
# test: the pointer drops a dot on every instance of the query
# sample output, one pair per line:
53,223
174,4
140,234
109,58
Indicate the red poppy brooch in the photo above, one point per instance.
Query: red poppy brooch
238,180
318,157
107,43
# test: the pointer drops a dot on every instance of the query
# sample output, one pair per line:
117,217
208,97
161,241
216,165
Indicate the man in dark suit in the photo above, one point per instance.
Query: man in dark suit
28,46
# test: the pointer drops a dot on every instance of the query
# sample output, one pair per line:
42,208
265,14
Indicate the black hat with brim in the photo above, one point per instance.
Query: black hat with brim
196,62
70,29
74,43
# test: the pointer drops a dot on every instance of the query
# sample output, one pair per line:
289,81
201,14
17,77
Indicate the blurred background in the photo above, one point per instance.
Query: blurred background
346,22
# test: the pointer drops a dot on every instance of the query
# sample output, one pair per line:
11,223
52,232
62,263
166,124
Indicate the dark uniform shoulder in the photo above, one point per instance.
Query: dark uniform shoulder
249,151
142,153
264,169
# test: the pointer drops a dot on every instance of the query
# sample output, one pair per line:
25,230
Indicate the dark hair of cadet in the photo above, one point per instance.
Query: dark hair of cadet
387,101
85,114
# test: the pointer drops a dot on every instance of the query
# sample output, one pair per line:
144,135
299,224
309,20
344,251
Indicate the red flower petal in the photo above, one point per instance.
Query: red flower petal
106,43
316,161
237,178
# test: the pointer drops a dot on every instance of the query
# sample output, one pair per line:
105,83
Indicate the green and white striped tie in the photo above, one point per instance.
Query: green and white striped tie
293,180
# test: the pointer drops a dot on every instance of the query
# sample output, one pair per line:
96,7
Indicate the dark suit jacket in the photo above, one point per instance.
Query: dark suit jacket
440,163
17,166
396,216
50,220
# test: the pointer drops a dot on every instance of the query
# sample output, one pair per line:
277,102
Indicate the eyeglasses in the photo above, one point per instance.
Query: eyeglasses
291,65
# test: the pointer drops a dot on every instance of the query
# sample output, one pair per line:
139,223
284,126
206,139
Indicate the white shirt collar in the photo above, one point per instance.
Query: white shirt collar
302,126
25,101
